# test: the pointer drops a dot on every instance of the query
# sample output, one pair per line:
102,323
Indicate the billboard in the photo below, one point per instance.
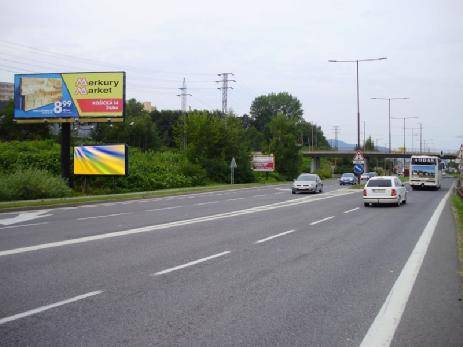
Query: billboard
69,97
263,162
101,160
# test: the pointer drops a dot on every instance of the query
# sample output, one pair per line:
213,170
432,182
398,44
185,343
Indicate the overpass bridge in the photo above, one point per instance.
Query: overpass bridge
316,155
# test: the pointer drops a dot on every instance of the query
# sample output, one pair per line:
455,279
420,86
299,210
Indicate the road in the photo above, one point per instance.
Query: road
254,266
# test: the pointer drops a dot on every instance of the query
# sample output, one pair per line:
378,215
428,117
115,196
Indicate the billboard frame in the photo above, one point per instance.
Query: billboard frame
79,119
126,160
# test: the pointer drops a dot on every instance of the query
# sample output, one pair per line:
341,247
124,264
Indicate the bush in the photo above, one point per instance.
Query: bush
30,184
149,171
18,155
324,171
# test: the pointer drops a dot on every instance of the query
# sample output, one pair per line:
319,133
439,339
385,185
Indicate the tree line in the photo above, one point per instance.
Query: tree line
209,139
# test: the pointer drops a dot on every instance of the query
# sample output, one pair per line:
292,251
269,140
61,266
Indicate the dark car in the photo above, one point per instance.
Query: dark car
347,178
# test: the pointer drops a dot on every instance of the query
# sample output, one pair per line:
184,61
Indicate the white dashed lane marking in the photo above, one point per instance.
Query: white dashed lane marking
191,263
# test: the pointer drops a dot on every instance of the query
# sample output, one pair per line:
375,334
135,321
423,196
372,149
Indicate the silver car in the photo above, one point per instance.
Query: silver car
307,183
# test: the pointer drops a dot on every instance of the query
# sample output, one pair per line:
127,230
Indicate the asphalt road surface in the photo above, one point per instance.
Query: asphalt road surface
255,266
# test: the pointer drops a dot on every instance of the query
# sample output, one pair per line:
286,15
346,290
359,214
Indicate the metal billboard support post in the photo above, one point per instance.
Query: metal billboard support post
66,153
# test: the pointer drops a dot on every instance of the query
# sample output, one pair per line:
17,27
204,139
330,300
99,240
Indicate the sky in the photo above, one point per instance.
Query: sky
270,46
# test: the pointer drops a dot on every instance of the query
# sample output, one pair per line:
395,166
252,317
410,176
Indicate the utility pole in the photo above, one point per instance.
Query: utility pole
356,61
404,119
183,103
389,103
364,141
336,131
225,87
421,137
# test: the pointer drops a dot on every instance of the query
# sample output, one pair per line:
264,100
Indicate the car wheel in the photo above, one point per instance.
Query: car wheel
366,204
293,191
398,201
321,188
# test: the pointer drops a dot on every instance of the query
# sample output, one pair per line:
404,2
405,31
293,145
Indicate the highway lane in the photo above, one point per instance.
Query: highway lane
317,281
69,222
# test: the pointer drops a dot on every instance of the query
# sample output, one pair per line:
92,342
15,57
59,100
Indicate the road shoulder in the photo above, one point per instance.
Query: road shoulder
436,298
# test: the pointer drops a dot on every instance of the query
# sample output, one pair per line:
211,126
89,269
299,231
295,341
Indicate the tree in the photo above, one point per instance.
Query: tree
212,141
265,107
283,145
309,133
369,145
10,130
165,121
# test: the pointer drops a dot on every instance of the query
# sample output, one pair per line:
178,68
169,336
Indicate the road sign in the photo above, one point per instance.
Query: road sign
233,164
358,169
358,158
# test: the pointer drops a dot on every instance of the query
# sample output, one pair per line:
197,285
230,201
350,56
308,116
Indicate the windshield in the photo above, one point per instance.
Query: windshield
379,183
306,178
348,175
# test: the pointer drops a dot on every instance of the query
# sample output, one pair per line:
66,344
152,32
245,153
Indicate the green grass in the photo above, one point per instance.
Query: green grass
15,205
458,212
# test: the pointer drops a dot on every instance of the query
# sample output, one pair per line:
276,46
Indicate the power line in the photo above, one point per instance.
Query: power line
225,87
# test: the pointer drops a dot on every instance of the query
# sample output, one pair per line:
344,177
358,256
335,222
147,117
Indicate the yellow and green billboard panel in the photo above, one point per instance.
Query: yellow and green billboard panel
82,96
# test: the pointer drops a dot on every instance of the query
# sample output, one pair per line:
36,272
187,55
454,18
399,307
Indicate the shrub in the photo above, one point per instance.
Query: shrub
17,155
324,171
29,184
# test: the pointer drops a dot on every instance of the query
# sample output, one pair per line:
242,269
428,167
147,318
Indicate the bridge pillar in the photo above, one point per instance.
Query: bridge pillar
315,164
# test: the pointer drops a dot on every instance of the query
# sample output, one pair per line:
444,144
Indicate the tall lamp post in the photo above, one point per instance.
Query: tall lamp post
404,119
356,61
389,102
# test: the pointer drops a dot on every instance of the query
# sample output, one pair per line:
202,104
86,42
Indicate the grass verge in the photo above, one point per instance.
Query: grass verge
457,203
71,201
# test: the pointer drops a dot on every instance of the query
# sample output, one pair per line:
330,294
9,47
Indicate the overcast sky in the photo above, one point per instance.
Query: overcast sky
270,46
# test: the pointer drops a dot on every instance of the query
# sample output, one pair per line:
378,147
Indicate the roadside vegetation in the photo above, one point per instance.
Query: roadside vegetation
167,149
457,202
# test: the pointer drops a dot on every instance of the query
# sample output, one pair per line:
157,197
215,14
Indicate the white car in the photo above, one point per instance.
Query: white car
308,183
384,190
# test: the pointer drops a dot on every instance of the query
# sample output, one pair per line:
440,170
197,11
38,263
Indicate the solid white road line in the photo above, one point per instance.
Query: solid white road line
164,208
149,228
382,330
191,263
234,199
349,211
322,220
45,308
274,236
23,225
105,216
258,195
206,203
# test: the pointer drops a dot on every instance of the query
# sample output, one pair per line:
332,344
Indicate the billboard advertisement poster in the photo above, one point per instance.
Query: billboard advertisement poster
263,162
69,97
109,160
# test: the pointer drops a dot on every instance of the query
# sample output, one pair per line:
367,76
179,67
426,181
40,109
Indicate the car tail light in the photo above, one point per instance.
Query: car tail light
364,192
393,192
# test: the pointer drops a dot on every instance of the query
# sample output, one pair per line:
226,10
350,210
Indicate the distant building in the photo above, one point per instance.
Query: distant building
148,107
6,91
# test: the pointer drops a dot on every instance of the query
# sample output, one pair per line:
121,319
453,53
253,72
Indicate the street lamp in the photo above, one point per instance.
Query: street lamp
356,61
389,102
404,118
